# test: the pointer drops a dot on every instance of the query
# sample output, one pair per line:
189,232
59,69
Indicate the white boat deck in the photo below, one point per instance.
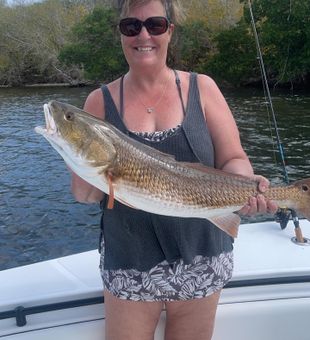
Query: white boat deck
262,252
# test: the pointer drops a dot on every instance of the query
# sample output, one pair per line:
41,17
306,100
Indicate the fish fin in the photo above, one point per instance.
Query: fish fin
110,204
228,223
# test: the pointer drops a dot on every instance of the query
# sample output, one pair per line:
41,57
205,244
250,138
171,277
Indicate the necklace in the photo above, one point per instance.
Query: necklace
151,109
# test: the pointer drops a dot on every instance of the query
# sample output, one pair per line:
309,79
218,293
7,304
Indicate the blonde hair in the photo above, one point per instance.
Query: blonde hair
174,10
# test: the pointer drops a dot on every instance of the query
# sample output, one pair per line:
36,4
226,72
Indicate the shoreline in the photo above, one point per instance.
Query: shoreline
222,85
37,85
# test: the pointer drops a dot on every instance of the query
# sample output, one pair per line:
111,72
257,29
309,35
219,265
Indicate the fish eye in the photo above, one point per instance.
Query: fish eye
69,116
304,187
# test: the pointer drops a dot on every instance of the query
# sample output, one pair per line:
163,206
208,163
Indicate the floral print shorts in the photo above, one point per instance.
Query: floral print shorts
170,282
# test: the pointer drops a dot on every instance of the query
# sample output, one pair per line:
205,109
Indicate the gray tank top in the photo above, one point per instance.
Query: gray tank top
135,239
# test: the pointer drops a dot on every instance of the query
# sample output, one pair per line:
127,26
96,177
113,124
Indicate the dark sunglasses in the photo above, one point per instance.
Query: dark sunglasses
133,26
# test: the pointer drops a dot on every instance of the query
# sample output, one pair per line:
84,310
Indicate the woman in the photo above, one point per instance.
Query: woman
149,261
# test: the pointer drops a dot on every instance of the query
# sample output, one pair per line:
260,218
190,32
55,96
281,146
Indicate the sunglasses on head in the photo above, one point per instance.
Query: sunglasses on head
133,26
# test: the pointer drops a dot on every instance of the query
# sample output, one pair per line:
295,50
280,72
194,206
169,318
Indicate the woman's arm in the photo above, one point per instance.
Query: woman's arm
229,154
81,190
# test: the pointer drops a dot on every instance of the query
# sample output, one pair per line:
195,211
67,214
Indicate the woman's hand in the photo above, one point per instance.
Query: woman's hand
258,204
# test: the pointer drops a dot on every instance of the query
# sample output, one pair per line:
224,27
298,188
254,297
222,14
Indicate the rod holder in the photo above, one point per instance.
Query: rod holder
298,233
299,236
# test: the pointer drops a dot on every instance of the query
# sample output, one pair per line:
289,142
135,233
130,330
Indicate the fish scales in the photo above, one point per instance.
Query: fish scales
161,178
204,190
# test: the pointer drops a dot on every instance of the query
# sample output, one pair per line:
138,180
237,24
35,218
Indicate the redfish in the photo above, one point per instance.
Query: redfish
149,180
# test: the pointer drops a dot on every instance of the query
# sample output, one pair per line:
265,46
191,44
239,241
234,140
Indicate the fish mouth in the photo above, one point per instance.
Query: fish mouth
50,129
51,132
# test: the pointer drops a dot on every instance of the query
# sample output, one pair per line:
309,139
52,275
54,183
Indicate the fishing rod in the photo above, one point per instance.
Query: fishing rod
267,91
283,215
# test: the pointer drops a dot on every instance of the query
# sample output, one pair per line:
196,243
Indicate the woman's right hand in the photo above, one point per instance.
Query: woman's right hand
258,204
84,192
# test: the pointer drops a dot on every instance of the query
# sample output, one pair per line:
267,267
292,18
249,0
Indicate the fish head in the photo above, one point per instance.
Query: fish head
303,201
81,139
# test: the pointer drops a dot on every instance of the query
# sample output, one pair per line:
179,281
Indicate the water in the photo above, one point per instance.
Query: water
39,218
258,137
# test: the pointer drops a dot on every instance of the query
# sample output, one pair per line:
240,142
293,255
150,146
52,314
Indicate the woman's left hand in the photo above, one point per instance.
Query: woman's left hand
259,204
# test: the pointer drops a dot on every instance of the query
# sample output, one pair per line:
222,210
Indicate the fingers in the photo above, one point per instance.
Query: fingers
255,205
272,207
263,205
263,183
258,204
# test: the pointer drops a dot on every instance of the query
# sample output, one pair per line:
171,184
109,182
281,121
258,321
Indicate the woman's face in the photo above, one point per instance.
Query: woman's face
144,49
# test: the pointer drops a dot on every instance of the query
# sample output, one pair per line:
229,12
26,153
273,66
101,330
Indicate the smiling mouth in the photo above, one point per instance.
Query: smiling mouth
144,49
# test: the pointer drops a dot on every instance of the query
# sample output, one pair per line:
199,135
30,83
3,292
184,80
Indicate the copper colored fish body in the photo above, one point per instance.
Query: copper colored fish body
147,179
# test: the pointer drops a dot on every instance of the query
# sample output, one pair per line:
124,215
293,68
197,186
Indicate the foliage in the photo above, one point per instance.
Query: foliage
66,40
284,28
96,46
30,39
33,36
192,46
235,60
216,15
284,32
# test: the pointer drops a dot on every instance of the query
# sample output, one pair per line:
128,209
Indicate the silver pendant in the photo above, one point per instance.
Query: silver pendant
149,109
